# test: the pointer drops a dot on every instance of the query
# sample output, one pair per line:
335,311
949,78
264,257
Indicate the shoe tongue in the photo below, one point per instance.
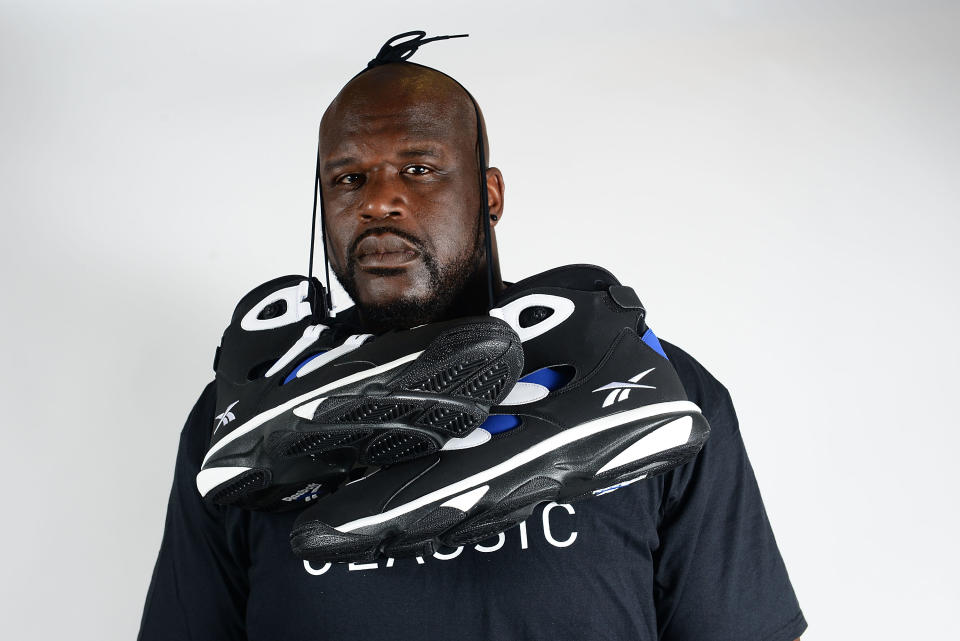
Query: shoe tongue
582,277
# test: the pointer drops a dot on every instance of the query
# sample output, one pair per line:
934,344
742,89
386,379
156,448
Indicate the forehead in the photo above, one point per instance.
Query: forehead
397,109
358,126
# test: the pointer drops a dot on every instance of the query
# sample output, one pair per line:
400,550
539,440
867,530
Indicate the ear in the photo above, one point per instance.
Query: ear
495,194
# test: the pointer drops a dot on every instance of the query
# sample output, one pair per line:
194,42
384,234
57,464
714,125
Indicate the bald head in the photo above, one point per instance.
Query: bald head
436,104
402,196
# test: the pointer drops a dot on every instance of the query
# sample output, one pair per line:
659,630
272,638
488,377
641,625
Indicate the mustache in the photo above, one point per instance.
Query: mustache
375,231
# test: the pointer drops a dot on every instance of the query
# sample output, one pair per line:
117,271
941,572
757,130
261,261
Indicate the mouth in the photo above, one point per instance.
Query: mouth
385,250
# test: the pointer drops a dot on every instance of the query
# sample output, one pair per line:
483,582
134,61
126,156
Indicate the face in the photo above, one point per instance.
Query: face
400,188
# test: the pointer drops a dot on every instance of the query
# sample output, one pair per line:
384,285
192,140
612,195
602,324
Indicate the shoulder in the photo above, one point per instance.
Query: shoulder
203,408
195,437
697,381
703,389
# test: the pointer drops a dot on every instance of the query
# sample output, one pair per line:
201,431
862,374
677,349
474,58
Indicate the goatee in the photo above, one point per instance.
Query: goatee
446,285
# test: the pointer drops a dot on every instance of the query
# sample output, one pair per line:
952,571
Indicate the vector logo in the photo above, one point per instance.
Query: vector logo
620,391
226,417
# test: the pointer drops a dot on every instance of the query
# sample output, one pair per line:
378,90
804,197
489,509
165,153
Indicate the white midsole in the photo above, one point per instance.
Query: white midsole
673,434
263,417
565,437
211,478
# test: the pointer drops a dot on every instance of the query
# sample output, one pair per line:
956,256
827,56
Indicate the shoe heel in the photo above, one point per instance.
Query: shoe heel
237,489
670,445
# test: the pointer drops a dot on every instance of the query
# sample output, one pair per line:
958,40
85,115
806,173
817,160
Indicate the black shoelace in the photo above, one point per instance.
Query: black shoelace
399,52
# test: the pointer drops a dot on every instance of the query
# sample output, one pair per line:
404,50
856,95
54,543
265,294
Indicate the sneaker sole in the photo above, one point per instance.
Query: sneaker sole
402,413
444,394
589,459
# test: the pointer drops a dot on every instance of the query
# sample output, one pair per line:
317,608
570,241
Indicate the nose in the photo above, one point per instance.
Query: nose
383,197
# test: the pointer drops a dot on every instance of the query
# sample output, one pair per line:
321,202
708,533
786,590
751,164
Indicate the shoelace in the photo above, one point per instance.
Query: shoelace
391,52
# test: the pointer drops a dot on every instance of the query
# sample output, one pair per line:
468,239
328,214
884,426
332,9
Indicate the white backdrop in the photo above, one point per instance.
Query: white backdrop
778,180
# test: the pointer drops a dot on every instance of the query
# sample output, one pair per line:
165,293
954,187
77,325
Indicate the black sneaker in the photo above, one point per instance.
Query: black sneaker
300,401
599,407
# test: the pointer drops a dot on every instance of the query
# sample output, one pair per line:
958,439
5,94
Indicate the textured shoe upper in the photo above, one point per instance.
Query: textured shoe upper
581,327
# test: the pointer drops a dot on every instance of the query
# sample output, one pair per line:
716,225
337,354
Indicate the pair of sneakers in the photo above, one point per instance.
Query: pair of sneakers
448,433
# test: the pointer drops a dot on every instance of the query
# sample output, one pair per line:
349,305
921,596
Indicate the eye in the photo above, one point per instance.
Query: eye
350,179
416,170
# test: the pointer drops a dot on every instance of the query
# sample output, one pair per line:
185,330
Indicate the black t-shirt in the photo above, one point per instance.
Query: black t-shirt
688,555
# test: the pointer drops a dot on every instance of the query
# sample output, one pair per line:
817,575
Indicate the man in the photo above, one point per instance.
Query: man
685,555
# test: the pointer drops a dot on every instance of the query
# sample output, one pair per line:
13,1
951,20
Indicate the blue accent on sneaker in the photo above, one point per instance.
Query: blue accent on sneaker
292,375
651,339
497,423
607,490
548,377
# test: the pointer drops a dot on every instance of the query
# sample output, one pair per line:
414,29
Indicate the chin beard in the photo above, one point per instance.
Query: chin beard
446,286
400,313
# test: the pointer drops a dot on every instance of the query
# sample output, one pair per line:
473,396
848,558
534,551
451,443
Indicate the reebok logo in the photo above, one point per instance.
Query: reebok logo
307,493
226,417
620,391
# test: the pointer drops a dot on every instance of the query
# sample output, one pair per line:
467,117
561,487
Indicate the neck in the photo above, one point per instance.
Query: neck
474,300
